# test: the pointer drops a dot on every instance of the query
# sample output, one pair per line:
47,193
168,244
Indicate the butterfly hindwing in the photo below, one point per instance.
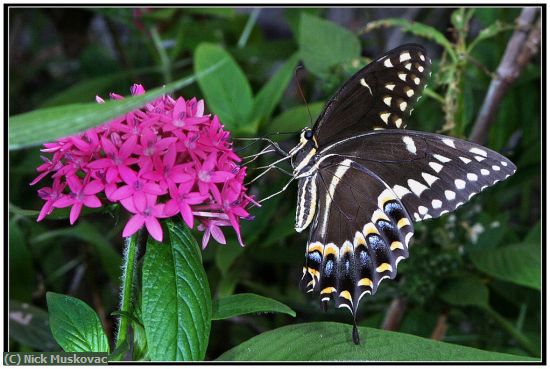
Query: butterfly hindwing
379,96
359,235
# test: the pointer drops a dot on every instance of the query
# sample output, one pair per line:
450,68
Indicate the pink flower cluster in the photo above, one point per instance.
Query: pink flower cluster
165,159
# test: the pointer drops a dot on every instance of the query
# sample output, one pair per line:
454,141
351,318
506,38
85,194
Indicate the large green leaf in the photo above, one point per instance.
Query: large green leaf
44,125
519,263
22,274
332,342
227,91
295,118
75,325
247,303
465,291
176,302
324,44
269,96
29,326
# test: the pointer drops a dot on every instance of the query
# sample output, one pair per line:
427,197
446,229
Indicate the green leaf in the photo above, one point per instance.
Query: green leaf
465,291
75,325
227,91
332,342
324,44
295,118
86,90
271,93
35,127
489,32
22,274
519,263
415,28
176,302
534,234
29,326
87,232
247,303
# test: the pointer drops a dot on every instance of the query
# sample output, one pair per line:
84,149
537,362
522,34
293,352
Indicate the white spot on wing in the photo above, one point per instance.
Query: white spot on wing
411,147
460,184
403,106
465,160
400,191
387,63
504,164
416,80
479,158
429,178
387,100
384,117
471,176
423,210
402,76
449,142
364,83
404,56
477,150
420,68
416,187
436,204
408,66
390,86
421,57
435,166
496,167
485,172
408,237
409,91
450,195
442,158
398,122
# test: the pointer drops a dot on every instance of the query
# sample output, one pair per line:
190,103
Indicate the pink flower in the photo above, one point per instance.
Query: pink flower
146,211
80,195
182,199
165,159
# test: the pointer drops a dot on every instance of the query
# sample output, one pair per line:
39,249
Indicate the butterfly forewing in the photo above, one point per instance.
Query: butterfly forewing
379,96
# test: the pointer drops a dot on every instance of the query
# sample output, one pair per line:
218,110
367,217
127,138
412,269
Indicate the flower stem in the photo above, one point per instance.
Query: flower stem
130,251
164,59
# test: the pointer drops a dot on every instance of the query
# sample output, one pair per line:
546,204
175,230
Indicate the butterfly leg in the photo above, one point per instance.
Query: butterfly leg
277,193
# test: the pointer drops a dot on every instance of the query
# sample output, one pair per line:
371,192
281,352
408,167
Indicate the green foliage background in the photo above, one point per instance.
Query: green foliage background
473,277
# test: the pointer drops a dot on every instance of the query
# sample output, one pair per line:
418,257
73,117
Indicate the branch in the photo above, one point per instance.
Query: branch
440,328
394,315
521,47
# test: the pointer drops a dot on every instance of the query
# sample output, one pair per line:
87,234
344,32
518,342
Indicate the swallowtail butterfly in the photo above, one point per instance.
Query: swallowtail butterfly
363,179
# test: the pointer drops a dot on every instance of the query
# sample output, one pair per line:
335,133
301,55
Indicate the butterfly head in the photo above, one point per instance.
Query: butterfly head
303,154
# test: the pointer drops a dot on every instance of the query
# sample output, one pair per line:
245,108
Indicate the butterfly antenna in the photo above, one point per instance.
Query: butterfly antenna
302,93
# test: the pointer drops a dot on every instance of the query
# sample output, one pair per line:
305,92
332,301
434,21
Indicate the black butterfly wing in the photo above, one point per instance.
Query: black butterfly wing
431,174
360,233
370,188
379,96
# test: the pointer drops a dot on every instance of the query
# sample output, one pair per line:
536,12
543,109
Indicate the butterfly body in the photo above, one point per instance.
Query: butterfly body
363,180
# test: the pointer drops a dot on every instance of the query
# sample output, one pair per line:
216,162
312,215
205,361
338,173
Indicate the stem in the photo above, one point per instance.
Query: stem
521,47
248,27
129,263
518,336
164,59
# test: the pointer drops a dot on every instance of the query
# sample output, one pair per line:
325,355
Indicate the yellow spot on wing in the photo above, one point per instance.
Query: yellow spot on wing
331,249
369,228
384,267
316,246
403,222
359,240
396,245
365,282
346,295
314,272
328,290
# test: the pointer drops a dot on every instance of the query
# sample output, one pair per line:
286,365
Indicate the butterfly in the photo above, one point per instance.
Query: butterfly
364,179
